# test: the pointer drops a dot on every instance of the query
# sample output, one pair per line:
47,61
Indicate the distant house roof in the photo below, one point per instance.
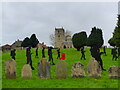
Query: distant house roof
7,45
43,45
17,44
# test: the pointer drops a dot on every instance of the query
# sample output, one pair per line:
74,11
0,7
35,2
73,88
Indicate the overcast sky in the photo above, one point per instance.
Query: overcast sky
22,19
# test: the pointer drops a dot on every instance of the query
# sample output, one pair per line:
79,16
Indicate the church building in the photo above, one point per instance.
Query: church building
62,41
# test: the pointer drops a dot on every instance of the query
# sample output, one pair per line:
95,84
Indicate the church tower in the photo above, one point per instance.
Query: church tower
59,37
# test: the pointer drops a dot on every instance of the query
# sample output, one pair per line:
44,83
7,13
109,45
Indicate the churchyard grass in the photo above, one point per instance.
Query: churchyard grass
72,56
1,70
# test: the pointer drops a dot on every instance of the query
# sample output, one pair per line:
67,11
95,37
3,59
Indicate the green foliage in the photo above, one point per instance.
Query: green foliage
72,56
116,34
33,40
79,40
111,42
95,38
26,42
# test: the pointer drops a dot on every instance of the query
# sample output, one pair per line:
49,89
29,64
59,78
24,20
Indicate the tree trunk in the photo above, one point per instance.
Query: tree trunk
78,49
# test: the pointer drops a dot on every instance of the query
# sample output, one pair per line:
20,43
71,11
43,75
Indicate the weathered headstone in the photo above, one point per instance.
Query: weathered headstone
44,68
61,69
114,72
93,68
10,69
77,70
26,71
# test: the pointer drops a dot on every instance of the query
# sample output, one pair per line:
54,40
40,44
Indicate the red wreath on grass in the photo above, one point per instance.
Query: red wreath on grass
63,56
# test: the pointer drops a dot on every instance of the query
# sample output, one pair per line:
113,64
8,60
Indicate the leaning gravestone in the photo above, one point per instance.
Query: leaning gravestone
10,69
61,69
44,68
93,68
114,72
77,70
26,71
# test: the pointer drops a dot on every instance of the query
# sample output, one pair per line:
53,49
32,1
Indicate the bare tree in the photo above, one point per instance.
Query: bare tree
52,39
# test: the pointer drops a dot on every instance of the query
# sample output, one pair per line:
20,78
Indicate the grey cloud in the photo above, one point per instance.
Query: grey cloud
22,19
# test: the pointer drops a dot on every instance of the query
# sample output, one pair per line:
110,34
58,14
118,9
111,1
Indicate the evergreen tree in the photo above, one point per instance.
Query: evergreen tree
111,42
26,42
79,40
33,41
116,35
95,38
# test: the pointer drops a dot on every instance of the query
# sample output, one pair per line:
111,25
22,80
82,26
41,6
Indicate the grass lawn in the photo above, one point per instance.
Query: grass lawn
0,70
72,56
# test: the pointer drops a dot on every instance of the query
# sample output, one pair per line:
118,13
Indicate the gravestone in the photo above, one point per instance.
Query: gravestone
114,72
26,71
10,69
77,70
44,68
93,68
61,69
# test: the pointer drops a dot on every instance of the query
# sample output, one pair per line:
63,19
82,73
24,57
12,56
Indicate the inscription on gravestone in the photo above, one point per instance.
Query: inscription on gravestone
44,68
10,69
26,71
114,72
61,69
93,68
77,70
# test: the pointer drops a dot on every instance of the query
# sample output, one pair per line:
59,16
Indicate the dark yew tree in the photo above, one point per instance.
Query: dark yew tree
111,42
33,40
95,38
26,42
95,41
79,40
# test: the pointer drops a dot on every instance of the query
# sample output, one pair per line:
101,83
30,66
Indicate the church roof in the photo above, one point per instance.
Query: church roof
67,42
